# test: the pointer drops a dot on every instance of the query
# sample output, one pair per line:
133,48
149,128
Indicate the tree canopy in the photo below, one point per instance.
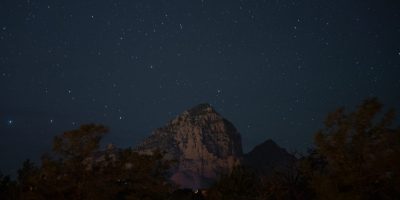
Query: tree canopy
360,154
78,168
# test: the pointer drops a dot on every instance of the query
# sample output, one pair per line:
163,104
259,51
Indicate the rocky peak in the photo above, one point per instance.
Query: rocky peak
201,109
204,144
200,114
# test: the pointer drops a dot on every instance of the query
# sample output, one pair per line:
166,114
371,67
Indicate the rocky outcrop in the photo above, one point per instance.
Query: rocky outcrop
203,144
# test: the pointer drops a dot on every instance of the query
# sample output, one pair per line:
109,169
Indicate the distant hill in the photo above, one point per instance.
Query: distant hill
266,157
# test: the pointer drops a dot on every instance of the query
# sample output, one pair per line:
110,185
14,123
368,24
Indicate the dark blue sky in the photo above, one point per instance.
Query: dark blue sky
274,68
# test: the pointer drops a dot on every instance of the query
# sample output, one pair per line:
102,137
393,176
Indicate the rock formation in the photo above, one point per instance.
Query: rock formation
203,144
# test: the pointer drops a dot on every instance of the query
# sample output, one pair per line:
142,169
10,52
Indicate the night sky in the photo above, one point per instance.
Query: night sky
274,68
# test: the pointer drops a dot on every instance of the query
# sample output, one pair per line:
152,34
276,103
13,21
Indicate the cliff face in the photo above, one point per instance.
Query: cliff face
203,144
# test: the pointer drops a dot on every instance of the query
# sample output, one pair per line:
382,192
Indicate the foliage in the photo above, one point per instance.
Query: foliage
357,155
7,187
78,169
240,184
79,144
288,183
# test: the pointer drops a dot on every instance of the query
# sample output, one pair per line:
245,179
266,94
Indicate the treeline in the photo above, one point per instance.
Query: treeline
356,156
78,169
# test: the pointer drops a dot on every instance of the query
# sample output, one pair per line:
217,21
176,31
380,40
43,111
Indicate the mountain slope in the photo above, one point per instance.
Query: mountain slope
266,157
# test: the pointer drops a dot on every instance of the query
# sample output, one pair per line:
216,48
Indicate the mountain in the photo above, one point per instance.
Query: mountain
203,143
267,157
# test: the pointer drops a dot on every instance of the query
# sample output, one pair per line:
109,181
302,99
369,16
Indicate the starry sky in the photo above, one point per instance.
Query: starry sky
274,68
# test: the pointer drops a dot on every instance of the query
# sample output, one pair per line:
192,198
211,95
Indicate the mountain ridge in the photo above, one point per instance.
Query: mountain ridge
204,144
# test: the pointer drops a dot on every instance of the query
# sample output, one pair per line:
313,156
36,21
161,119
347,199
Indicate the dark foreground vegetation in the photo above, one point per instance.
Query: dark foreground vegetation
356,156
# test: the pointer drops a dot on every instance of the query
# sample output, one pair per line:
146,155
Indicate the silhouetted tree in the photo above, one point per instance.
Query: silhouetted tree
69,173
357,155
8,189
79,144
241,184
138,176
182,194
288,183
79,169
28,181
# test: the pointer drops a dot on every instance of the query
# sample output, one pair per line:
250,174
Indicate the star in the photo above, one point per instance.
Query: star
10,122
